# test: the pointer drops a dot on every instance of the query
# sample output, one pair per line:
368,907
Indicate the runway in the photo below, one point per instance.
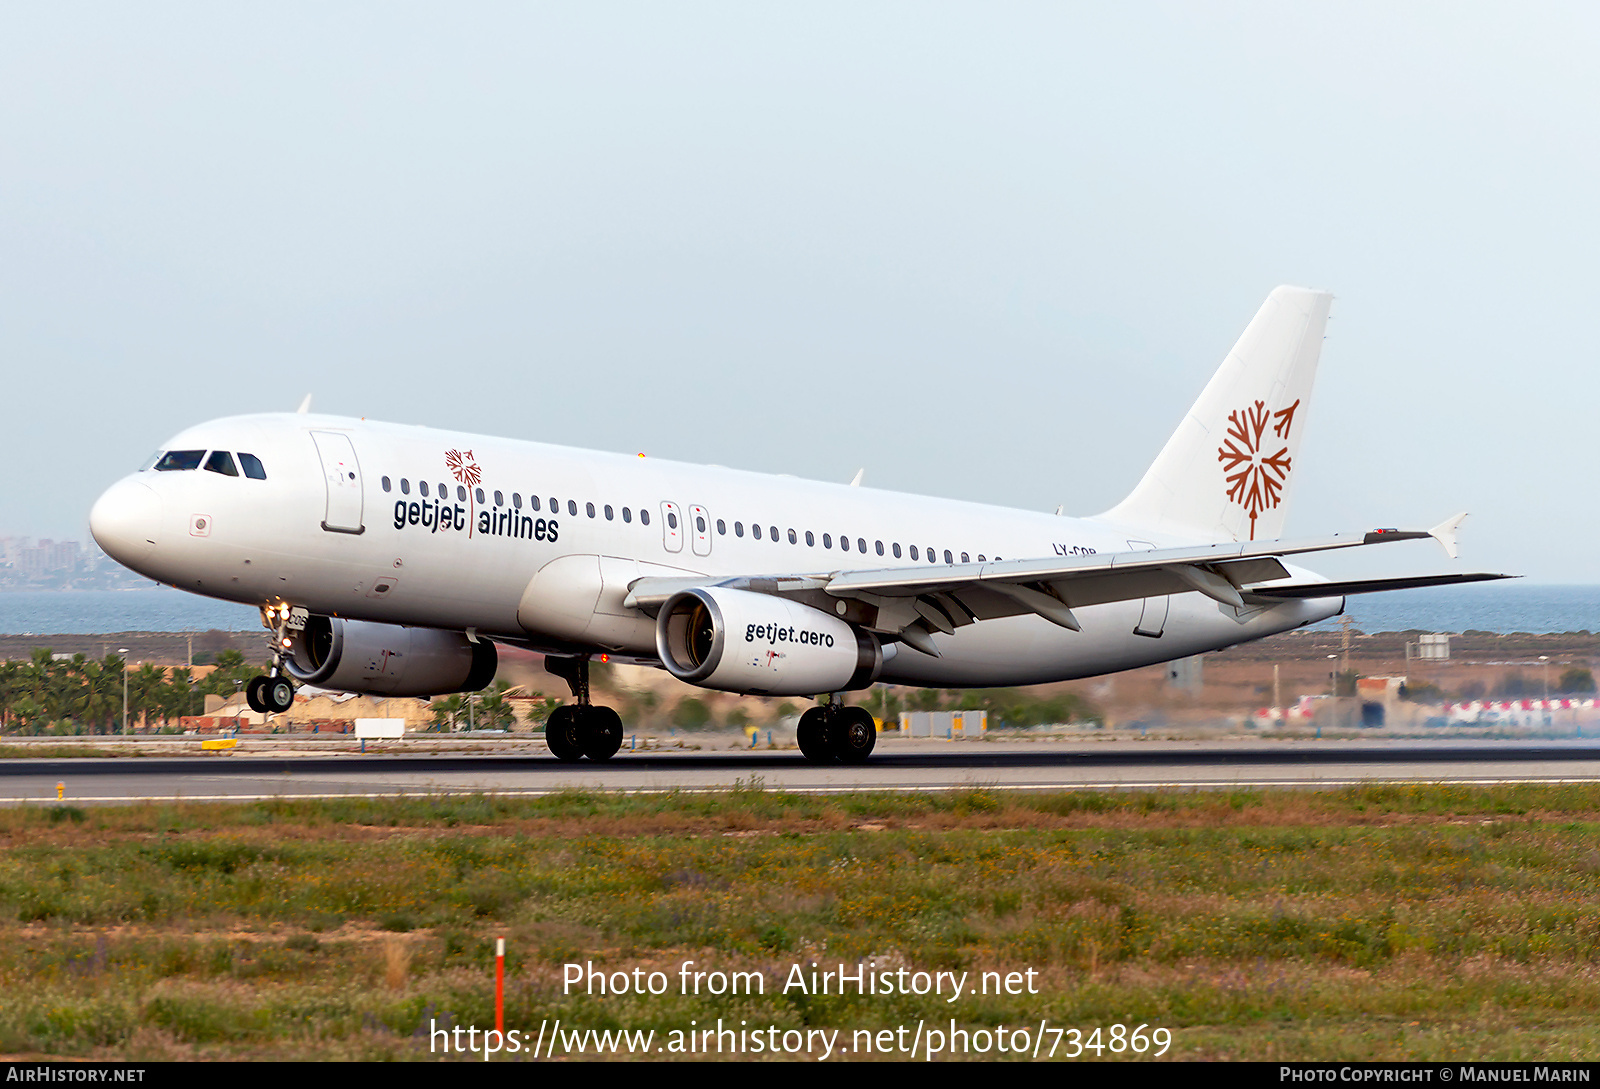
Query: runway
896,766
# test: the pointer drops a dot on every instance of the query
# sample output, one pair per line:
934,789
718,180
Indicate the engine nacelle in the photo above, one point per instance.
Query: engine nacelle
739,641
388,659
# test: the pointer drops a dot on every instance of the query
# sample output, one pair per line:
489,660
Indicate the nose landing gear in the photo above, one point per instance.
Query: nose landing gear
273,693
580,729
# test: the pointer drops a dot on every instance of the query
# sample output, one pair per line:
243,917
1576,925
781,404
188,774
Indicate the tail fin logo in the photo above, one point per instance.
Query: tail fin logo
1254,476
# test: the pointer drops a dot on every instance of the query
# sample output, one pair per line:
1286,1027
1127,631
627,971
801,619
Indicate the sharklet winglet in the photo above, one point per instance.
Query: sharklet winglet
1445,533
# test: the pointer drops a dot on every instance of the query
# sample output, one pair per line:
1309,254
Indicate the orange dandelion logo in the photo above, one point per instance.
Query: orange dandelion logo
463,466
1254,475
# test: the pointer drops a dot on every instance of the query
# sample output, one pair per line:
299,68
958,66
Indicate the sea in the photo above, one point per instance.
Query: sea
1494,607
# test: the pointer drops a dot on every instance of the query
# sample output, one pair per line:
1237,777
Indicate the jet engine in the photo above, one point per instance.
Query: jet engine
388,659
739,641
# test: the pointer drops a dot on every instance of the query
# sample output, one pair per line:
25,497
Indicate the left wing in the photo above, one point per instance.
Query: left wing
911,603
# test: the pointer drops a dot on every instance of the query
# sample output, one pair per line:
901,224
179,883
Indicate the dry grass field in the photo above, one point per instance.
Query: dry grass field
1378,923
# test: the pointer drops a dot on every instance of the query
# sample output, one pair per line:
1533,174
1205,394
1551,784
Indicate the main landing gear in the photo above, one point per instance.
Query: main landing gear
273,693
832,733
580,729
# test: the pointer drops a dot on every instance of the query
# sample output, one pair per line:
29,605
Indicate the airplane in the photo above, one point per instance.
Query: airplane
391,559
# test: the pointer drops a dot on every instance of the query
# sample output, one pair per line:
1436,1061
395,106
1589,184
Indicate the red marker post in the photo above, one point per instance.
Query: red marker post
500,987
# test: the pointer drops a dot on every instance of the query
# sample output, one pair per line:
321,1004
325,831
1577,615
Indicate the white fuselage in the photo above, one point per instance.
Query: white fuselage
545,557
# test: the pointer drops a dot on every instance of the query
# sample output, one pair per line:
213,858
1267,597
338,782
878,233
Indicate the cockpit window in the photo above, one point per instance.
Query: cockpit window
177,460
253,467
150,462
221,461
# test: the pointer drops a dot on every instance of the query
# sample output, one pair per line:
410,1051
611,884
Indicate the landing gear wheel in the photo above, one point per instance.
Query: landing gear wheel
561,734
255,694
600,733
812,734
278,694
854,735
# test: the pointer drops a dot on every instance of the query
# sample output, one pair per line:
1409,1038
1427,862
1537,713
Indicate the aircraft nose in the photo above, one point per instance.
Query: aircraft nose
125,520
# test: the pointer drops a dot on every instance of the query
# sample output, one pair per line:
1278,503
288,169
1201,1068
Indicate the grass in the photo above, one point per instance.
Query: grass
1383,922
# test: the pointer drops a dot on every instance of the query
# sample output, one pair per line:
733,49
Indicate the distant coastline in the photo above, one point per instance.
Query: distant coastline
1498,607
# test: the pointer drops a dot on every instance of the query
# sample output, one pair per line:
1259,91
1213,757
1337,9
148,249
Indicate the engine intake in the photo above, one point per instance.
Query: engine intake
739,641
388,659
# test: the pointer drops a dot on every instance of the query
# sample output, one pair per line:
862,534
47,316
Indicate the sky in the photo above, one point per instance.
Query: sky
985,251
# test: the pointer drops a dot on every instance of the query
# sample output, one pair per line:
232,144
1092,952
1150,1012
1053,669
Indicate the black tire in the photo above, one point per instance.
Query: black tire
561,735
278,694
855,735
255,694
812,735
600,733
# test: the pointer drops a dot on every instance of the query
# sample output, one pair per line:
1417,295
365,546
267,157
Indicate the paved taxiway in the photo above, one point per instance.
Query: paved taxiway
897,765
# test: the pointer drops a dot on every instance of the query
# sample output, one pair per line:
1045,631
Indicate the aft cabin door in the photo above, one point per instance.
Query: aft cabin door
1153,619
342,475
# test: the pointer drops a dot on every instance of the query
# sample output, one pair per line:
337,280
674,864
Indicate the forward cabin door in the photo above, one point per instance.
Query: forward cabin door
342,474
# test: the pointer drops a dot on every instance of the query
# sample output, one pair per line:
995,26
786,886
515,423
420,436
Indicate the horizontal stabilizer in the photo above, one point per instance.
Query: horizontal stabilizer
1366,586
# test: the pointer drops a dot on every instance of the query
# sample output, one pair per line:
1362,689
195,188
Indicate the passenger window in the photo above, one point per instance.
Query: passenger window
931,557
793,537
980,557
627,515
861,545
895,548
589,508
699,524
913,551
811,542
179,461
964,558
610,517
516,500
405,486
738,529
947,557
477,493
499,499
844,543
422,486
533,501
672,520
644,517
572,507
555,505
221,461
386,484
722,528
461,493
827,540
774,531
755,531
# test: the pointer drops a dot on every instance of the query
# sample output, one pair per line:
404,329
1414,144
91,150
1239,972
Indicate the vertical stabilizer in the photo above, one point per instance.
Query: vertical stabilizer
1227,471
